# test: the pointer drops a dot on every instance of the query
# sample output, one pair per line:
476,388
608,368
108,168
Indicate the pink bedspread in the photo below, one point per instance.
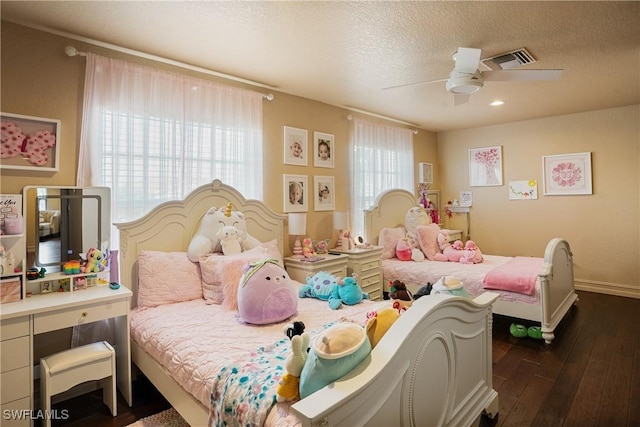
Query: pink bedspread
417,274
518,275
192,340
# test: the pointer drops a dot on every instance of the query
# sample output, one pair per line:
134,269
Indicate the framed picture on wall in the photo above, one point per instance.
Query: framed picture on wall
485,166
567,174
295,146
324,193
425,172
296,193
323,148
30,143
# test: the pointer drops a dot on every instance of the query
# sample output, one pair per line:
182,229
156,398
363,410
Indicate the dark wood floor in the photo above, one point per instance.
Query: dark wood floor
589,376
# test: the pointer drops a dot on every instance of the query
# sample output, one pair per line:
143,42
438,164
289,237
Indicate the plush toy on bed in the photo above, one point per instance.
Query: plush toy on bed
450,252
347,292
205,240
289,386
471,253
229,237
266,294
94,262
319,285
380,321
334,352
398,291
415,217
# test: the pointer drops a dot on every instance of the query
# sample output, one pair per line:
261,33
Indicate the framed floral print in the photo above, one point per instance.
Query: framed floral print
485,166
567,174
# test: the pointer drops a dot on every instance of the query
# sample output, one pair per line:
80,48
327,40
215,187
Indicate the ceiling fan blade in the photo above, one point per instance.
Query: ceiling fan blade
467,59
415,83
460,99
514,75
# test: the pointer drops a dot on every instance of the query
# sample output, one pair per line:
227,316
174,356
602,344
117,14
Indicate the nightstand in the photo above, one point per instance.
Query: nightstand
299,268
367,265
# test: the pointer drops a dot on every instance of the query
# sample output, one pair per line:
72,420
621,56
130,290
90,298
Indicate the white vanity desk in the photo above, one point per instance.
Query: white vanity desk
21,321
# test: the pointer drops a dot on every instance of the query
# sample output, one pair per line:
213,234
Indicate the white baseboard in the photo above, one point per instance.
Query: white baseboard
608,288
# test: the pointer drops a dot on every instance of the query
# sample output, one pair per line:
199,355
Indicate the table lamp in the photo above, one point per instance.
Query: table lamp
297,227
341,223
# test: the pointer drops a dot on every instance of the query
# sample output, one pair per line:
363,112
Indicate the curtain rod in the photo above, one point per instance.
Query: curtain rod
350,118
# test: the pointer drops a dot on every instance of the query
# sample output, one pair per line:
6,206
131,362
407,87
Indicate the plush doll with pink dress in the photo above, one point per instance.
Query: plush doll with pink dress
450,252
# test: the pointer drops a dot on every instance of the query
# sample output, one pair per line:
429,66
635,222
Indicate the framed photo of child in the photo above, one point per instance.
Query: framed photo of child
296,193
296,146
323,150
325,193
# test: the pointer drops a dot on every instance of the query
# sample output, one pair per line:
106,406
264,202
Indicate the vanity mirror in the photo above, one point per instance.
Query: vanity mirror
62,223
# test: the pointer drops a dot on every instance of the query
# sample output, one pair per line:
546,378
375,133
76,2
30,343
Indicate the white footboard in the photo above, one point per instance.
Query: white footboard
433,368
556,286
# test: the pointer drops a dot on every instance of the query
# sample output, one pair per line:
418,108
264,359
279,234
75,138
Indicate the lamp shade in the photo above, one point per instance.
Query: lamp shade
297,224
341,220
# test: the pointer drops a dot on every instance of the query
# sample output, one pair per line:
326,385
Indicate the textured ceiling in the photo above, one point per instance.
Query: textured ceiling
345,53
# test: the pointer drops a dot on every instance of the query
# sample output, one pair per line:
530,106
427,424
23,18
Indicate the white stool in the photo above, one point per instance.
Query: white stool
61,371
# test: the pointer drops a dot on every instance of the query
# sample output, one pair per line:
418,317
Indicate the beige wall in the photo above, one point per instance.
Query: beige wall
603,228
38,79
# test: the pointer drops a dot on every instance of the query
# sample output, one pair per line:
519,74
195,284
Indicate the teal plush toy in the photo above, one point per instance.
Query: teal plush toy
321,285
347,292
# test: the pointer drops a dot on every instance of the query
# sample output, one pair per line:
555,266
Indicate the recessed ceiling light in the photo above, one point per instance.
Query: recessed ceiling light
496,103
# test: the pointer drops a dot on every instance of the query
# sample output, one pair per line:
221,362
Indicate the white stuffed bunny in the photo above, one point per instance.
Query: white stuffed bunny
289,388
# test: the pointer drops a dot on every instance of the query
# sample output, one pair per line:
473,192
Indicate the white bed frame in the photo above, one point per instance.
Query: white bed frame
557,291
434,367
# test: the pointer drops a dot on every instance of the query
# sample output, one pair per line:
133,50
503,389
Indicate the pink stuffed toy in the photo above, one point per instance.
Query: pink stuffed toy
471,253
403,250
449,251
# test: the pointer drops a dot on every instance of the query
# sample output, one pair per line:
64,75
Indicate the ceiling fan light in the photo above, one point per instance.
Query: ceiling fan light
463,86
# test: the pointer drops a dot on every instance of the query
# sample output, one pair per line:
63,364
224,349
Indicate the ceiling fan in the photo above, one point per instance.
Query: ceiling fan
466,78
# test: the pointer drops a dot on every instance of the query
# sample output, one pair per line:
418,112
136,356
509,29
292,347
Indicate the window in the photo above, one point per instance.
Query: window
381,159
153,136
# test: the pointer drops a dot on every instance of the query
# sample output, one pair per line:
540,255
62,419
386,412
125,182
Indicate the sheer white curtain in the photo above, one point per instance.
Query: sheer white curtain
152,135
381,159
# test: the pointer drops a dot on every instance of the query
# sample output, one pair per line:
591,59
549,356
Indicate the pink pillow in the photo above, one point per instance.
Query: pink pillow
428,240
388,239
167,277
221,273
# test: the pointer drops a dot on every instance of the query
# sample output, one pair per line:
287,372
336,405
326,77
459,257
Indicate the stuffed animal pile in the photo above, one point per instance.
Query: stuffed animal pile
449,252
206,240
471,253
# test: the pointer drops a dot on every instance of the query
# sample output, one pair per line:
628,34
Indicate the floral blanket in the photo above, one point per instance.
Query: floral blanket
244,393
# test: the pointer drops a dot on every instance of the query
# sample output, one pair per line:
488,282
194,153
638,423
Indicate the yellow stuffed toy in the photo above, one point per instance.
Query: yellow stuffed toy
379,322
289,387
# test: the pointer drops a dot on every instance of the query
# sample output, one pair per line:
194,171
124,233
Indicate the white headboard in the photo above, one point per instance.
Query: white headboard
170,226
389,210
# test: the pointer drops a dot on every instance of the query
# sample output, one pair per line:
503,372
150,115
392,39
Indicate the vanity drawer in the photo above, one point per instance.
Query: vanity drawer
17,406
14,353
15,384
80,315
13,328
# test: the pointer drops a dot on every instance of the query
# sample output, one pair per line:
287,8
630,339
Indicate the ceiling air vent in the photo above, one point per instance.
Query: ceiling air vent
506,61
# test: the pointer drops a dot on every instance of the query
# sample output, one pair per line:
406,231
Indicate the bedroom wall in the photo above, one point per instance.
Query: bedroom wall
602,229
38,79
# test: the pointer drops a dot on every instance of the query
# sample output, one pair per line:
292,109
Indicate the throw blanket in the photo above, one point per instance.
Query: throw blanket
518,275
244,392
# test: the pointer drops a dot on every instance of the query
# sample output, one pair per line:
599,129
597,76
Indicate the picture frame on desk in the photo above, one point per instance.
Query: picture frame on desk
46,287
